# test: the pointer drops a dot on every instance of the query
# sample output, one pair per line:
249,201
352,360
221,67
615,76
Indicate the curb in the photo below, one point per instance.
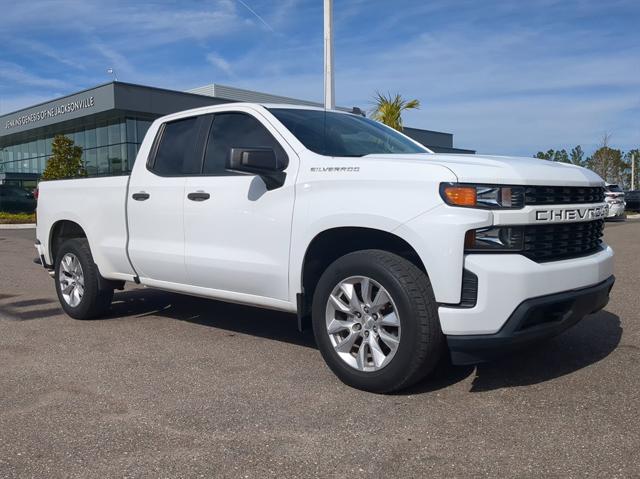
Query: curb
26,226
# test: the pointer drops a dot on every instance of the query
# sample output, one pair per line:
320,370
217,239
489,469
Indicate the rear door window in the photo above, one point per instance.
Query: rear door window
177,153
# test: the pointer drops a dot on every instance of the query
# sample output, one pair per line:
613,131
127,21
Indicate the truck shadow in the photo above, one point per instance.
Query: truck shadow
274,325
588,342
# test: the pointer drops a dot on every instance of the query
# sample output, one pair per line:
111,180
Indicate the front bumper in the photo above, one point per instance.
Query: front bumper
507,280
533,320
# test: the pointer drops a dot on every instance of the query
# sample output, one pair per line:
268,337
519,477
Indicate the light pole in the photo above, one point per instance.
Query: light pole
633,171
329,85
112,72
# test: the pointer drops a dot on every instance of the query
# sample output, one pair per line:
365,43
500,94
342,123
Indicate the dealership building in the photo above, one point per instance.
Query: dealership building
110,121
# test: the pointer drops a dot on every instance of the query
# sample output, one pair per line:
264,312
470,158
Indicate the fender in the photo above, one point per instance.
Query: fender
302,240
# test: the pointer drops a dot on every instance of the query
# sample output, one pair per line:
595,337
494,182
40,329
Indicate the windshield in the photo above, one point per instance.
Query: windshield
340,134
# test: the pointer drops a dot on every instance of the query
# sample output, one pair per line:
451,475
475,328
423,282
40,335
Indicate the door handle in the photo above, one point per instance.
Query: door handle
140,196
198,196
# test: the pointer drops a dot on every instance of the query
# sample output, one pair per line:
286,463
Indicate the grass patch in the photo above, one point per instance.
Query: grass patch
16,218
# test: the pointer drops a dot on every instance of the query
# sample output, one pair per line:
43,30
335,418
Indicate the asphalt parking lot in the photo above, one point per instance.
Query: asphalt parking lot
172,386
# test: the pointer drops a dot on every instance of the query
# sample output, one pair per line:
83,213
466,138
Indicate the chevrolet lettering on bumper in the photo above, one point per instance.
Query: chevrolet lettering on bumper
572,214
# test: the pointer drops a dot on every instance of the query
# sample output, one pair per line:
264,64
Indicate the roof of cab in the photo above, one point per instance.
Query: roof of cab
226,106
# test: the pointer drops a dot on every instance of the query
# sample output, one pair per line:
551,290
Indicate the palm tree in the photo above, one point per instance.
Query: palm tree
388,109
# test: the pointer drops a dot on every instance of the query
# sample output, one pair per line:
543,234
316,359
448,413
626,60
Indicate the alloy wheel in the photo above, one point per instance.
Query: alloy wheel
363,323
71,279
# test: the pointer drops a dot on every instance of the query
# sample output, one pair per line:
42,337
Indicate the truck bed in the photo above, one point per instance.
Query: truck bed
98,206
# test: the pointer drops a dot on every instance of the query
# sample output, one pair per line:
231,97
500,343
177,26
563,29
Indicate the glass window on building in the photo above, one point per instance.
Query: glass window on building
115,133
102,135
79,138
117,159
40,147
132,152
90,138
141,129
12,157
132,137
109,147
103,160
90,159
17,163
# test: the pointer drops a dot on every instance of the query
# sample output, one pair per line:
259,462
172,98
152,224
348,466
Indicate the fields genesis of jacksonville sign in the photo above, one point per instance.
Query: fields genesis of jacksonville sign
68,108
54,111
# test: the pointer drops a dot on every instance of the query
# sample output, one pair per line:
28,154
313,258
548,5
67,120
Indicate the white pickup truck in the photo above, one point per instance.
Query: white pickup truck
396,254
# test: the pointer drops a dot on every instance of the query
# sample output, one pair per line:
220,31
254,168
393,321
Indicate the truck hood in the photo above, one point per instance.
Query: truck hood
507,169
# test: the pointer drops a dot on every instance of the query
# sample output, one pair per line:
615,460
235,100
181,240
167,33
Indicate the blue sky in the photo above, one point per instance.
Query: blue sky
506,77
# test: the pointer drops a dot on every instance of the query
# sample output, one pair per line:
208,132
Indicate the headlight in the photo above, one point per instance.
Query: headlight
498,238
490,197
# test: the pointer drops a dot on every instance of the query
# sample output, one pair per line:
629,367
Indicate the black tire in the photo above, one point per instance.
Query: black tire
95,301
421,342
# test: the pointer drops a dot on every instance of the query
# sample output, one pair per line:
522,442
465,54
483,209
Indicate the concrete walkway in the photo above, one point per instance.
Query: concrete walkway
25,226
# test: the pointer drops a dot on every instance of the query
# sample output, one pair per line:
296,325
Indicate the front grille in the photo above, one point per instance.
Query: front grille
562,195
562,241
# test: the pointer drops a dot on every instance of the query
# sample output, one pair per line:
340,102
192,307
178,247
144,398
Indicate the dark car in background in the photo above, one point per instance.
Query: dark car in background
632,199
14,199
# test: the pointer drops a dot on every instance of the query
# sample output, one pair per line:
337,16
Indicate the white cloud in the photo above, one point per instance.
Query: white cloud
115,60
134,25
43,50
551,74
14,103
220,63
18,75
510,92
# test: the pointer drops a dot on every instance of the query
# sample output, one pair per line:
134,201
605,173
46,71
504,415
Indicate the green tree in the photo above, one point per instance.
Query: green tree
65,161
388,109
561,156
553,155
548,155
577,156
608,162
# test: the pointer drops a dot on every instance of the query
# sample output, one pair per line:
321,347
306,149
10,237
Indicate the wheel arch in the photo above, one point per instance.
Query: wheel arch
61,231
332,243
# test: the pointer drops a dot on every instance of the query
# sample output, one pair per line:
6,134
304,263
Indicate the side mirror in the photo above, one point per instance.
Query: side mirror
260,161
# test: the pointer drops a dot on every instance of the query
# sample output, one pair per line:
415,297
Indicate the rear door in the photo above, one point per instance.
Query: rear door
237,233
156,202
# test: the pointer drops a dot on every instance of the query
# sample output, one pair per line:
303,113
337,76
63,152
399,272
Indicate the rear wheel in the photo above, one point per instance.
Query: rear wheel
375,321
77,281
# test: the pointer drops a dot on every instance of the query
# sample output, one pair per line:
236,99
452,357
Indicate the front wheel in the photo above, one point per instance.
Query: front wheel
375,321
77,281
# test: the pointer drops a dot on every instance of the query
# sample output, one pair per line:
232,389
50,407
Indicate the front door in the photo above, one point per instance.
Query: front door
237,233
